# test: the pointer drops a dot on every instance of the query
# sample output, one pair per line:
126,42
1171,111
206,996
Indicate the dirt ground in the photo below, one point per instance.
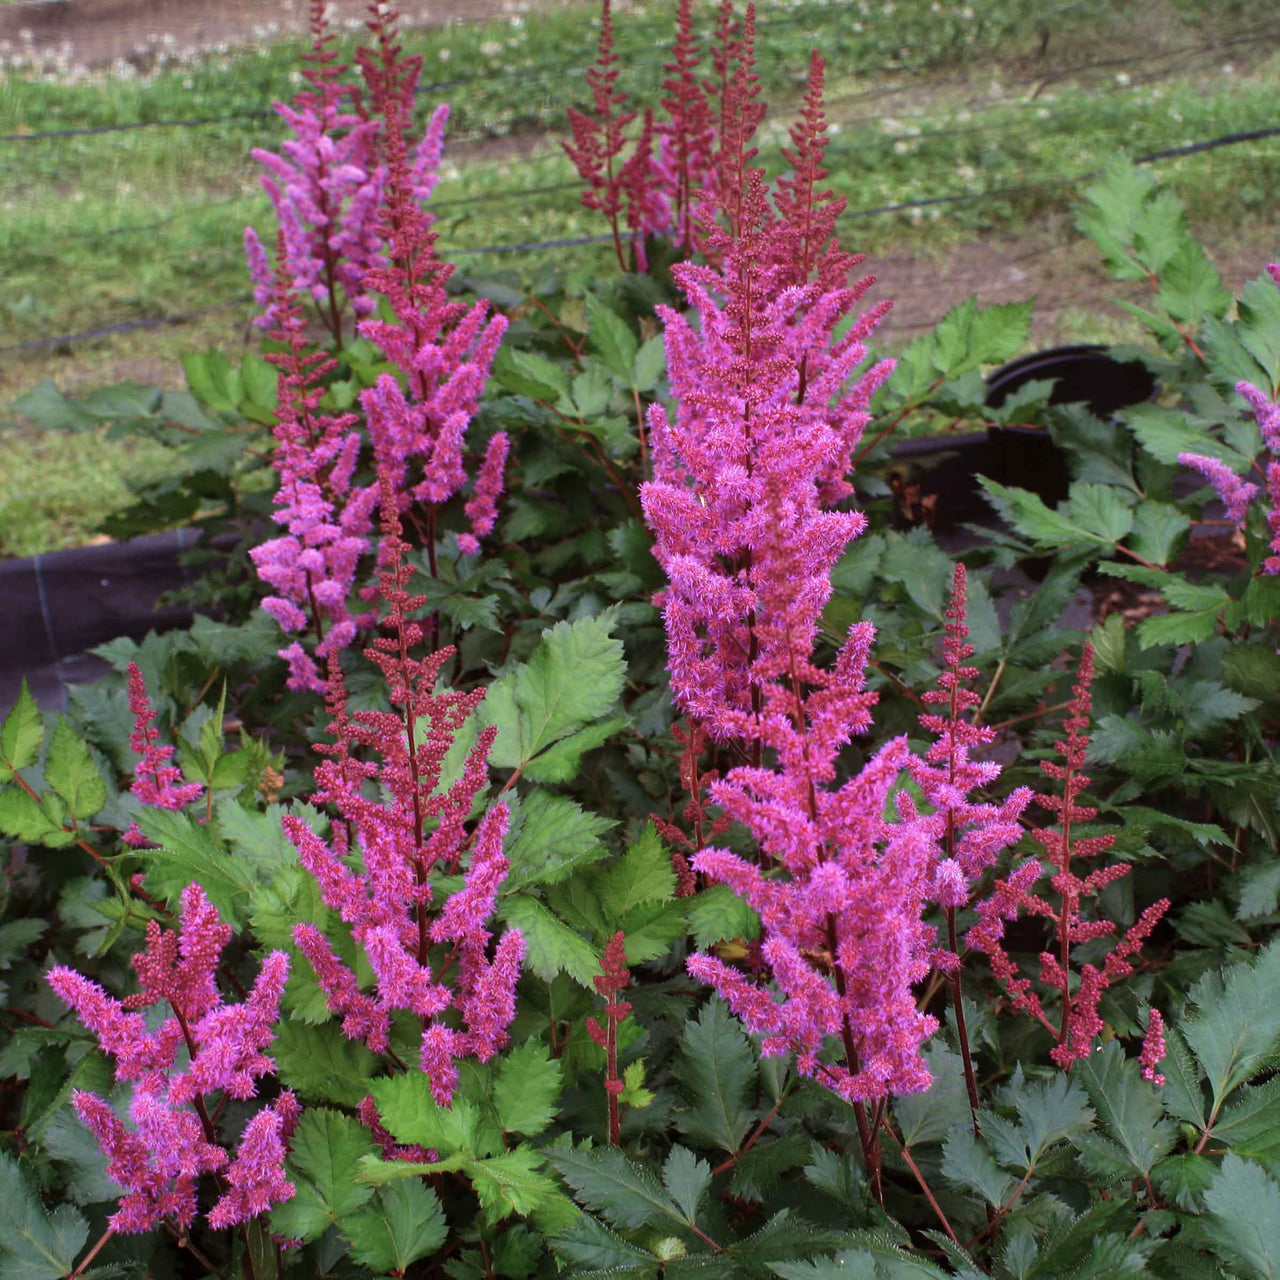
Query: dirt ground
94,32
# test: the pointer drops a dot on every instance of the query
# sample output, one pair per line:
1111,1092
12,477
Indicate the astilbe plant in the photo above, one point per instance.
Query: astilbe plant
175,1139
768,413
443,348
1078,996
312,567
326,188
421,829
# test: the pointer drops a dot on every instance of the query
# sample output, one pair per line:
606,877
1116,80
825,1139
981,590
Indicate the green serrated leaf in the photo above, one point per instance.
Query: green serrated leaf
186,851
1033,520
574,677
650,364
20,735
968,1163
325,1153
642,876
512,1182
320,1062
556,837
686,1179
1128,1108
413,1117
715,1067
33,821
525,1089
551,947
604,1180
1235,1024
929,1116
1244,1218
70,771
561,761
611,336
403,1222
33,1245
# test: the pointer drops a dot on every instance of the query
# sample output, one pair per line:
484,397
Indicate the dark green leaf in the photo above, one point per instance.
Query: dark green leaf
574,676
716,1067
610,335
627,1194
34,1246
551,947
1244,1218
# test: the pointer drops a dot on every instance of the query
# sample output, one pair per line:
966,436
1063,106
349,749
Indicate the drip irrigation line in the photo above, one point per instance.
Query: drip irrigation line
123,326
1194,148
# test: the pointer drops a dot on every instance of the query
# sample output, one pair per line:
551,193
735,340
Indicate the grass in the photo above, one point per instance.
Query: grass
110,228
56,486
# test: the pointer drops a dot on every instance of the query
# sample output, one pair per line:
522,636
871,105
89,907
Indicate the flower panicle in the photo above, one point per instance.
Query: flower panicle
312,567
421,826
968,834
156,782
443,348
599,138
325,186
1078,994
687,138
173,1141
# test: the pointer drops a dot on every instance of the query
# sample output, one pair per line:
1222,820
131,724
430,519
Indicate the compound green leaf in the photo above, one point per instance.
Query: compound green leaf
1244,1218
325,1154
525,1089
403,1222
716,1068
33,1245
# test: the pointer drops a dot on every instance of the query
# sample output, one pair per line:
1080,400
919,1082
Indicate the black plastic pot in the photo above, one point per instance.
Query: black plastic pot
1087,375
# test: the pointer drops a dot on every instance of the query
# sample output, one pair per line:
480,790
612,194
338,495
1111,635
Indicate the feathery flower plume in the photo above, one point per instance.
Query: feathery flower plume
421,826
967,836
741,112
1153,1048
312,567
443,348
614,979
327,186
599,138
156,782
965,832
687,139
1236,494
741,511
175,1140
1078,1017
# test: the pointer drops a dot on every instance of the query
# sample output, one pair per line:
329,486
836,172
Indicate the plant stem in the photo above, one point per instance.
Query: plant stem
84,1262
